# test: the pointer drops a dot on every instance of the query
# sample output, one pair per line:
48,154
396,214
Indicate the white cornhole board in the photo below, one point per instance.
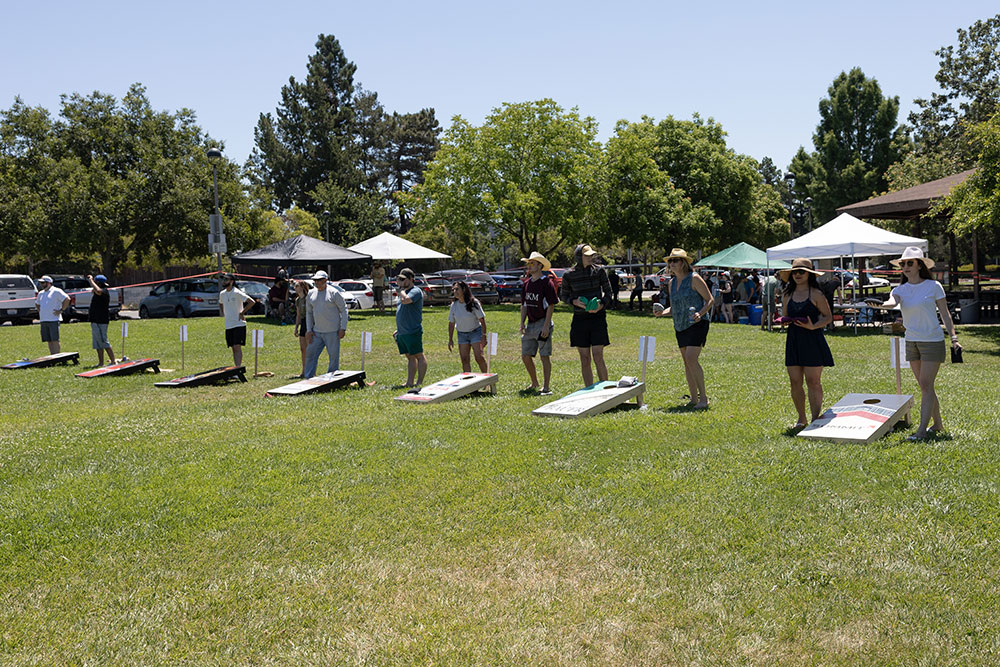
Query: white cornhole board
859,418
595,399
451,388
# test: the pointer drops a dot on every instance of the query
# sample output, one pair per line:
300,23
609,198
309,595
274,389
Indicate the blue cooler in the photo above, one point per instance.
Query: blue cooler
755,313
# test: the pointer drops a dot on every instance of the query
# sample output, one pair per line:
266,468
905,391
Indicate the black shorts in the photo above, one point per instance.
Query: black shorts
694,336
236,336
589,329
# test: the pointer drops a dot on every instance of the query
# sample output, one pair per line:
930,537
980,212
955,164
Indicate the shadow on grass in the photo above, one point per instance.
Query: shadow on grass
985,334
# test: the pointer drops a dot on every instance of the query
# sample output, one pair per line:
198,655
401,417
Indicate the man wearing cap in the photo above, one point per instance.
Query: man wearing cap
277,296
326,324
234,304
409,333
538,301
588,289
52,302
100,316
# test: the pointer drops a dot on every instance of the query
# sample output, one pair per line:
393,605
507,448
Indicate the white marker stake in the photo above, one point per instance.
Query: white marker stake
897,360
124,336
257,340
184,337
492,341
647,352
366,346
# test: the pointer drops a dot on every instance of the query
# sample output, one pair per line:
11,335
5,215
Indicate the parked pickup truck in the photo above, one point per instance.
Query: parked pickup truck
80,294
17,299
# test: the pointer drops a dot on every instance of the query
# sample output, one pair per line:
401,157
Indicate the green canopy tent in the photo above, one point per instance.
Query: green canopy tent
742,256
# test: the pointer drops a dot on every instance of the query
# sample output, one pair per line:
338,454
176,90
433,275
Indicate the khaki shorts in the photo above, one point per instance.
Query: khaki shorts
921,351
530,345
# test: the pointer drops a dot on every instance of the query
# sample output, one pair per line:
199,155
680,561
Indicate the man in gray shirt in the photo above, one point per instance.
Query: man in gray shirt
326,324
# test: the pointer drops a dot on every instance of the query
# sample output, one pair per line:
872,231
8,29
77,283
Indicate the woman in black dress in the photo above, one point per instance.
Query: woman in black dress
806,350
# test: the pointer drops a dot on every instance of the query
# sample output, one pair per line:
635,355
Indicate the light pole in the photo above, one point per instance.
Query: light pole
217,240
790,182
809,213
326,217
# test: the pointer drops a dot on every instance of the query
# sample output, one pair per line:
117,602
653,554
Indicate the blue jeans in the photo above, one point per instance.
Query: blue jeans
331,341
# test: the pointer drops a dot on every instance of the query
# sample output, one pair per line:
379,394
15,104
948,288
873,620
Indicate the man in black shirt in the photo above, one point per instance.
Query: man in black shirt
100,302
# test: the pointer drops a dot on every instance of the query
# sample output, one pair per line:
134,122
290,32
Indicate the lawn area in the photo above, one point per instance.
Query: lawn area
213,525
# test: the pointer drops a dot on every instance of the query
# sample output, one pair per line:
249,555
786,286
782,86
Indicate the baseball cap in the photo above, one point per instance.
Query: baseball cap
320,275
45,279
100,278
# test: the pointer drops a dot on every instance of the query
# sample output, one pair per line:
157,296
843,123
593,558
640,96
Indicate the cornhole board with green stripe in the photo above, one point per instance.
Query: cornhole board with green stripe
221,374
123,368
324,382
593,400
451,388
48,360
859,418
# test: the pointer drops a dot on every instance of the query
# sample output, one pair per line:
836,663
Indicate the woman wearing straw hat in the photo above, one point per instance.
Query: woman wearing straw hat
806,349
690,302
921,299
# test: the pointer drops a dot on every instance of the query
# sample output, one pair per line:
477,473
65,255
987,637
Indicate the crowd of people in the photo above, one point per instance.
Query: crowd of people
320,315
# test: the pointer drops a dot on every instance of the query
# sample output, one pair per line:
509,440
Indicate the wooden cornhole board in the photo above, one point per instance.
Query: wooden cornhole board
48,360
859,418
318,383
593,400
221,374
123,368
451,388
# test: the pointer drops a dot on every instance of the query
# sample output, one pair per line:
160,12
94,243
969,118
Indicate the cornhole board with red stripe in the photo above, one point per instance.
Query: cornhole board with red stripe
48,360
221,374
859,418
324,382
123,368
451,388
593,400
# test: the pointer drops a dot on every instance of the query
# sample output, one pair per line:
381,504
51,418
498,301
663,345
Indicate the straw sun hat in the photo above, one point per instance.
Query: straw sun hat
800,263
913,252
677,252
538,257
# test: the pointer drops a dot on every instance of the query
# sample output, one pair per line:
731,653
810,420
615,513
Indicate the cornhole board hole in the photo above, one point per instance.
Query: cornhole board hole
859,418
48,360
451,388
593,400
324,382
221,374
123,368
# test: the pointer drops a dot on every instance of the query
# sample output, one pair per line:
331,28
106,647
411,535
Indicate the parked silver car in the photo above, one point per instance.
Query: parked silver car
181,298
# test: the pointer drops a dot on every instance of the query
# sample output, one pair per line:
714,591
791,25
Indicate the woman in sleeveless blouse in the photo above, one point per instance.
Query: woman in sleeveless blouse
806,349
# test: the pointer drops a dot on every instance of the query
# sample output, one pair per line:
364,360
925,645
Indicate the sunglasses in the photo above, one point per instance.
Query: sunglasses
910,262
799,272
674,260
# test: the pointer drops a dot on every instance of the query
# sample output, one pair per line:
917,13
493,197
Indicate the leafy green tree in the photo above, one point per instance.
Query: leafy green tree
856,141
975,203
412,143
530,168
969,79
114,179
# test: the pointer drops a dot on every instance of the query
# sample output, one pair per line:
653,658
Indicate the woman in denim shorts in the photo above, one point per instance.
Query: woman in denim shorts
467,316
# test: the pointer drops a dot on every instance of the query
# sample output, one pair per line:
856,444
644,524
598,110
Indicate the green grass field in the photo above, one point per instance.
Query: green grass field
212,525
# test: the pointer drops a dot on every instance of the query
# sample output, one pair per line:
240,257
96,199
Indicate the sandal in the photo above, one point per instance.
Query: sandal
916,438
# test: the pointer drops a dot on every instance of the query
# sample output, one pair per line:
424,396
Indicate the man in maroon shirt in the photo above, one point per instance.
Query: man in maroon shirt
538,300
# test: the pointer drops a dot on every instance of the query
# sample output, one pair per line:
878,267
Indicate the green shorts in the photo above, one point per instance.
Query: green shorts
921,351
410,343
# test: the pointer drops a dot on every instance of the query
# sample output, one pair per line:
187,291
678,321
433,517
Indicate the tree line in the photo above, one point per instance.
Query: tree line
119,182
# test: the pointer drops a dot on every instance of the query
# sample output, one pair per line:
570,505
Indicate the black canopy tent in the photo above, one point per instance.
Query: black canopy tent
300,250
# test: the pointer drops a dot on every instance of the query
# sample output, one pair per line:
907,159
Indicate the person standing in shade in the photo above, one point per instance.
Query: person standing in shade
587,288
538,302
466,314
326,324
921,299
100,317
234,304
769,301
379,283
301,292
52,302
409,333
728,298
690,302
615,281
806,349
277,297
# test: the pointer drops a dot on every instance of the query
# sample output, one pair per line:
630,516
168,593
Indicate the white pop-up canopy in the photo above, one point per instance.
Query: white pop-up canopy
845,236
388,246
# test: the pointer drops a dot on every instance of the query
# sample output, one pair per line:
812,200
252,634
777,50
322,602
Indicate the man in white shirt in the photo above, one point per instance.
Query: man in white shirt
234,304
52,302
326,324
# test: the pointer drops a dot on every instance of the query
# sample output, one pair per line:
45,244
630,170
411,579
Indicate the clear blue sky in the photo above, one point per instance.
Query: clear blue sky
758,68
